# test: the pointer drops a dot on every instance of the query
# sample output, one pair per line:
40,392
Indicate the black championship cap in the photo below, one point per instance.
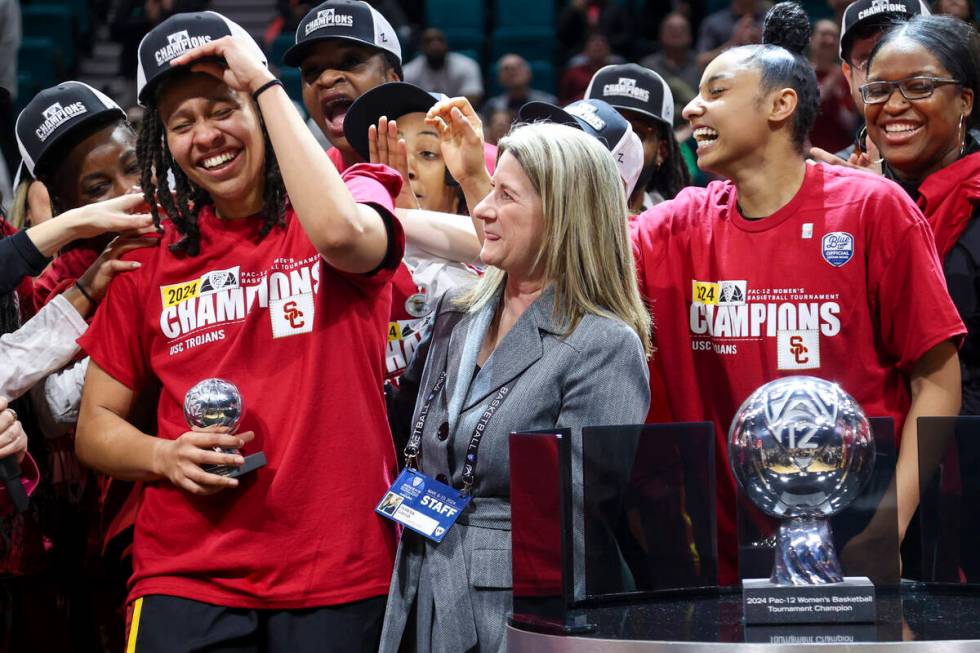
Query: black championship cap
394,100
56,112
872,12
179,34
632,87
599,120
349,20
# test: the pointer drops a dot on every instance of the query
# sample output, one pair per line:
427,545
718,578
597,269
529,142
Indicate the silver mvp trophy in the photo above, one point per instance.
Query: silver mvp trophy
216,402
801,449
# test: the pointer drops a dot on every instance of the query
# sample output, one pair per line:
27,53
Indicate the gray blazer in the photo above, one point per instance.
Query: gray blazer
461,588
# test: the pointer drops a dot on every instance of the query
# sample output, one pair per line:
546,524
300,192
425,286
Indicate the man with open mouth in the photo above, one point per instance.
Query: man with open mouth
343,49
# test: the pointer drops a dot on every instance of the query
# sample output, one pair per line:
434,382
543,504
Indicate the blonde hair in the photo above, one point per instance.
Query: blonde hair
17,216
586,251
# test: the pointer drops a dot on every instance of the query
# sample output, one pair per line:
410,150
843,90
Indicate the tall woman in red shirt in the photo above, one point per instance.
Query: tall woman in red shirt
790,268
273,273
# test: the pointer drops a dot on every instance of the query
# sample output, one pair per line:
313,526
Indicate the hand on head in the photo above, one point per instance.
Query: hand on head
230,60
385,147
13,440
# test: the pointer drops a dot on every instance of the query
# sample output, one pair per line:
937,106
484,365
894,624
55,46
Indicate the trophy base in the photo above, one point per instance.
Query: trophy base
850,601
252,462
836,634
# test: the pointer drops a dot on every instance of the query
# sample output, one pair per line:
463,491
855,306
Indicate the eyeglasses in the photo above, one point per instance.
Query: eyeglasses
912,88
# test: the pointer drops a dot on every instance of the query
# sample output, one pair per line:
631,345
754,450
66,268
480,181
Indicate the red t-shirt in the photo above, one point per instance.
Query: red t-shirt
842,283
304,344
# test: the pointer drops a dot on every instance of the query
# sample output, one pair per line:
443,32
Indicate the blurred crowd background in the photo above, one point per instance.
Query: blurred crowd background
498,53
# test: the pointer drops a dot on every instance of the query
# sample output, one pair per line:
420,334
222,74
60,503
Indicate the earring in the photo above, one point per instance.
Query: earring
960,129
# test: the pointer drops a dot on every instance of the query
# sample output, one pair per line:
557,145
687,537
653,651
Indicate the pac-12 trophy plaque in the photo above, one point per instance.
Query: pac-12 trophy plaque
802,450
216,402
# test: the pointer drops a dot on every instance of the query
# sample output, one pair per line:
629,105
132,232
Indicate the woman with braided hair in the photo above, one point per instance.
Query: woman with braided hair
273,274
183,206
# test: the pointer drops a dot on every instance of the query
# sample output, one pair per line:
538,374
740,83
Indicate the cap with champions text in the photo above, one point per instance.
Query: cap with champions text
56,112
350,20
596,118
871,12
179,34
633,87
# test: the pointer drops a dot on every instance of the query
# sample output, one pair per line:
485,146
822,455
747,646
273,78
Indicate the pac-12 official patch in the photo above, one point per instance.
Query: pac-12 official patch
837,248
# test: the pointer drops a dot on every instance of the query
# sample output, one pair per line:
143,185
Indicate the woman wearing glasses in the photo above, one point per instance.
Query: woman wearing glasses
923,79
790,268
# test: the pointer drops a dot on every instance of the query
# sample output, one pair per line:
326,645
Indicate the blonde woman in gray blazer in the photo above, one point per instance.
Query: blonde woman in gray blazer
558,321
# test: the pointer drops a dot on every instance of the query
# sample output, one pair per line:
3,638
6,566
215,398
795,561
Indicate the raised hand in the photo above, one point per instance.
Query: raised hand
461,138
385,147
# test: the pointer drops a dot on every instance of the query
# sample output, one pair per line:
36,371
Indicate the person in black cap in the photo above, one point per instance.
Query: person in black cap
861,28
644,99
343,49
274,274
77,142
386,125
601,121
393,115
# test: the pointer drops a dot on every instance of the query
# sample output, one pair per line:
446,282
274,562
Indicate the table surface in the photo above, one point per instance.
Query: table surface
911,617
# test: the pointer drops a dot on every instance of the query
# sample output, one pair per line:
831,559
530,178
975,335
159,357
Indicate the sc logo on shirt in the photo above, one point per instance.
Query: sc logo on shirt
798,350
292,315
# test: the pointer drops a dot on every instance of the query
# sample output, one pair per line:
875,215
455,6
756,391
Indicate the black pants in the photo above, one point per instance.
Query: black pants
167,624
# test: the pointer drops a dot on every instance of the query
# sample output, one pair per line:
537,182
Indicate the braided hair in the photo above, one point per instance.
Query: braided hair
672,175
184,205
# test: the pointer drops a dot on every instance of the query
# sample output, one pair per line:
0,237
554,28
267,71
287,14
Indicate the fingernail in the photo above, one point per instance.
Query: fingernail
239,460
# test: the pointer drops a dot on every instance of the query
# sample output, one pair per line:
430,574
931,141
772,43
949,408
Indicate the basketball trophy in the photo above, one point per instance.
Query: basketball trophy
216,402
802,450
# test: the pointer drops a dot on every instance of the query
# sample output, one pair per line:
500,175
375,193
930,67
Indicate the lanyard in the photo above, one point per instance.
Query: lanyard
470,465
413,450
